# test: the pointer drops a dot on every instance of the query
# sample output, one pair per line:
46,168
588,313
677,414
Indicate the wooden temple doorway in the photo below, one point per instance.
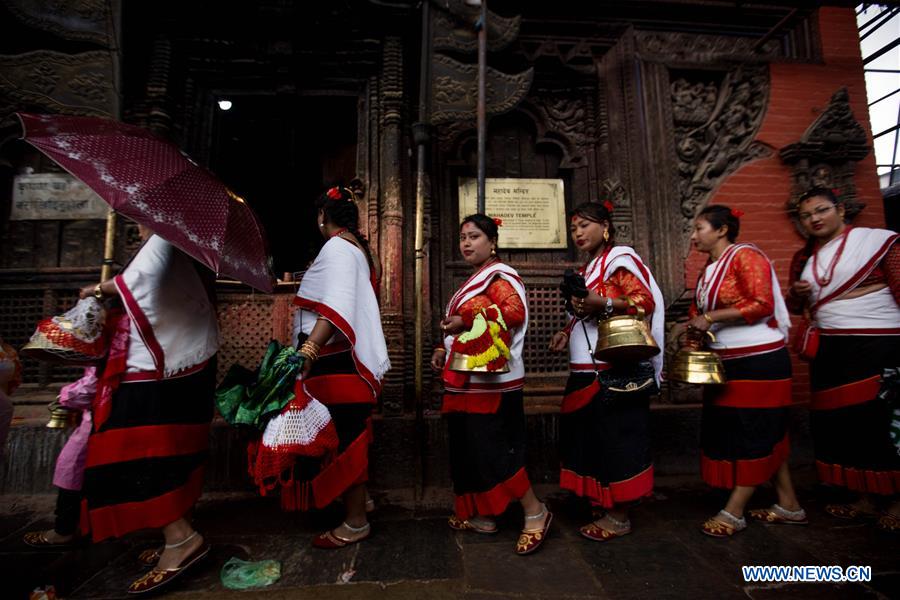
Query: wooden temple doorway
280,152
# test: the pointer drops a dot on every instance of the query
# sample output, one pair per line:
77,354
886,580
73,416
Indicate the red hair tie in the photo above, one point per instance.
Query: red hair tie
737,213
335,193
608,206
498,222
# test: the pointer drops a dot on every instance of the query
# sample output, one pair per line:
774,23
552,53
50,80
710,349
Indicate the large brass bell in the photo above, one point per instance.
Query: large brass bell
701,367
625,338
60,416
460,362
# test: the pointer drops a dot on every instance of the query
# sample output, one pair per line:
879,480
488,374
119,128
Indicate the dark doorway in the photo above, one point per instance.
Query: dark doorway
280,153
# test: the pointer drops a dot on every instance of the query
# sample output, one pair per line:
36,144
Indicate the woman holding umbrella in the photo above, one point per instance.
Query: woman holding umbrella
154,404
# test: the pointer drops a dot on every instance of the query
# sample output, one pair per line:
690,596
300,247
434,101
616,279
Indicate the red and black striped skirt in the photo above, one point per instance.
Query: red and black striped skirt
487,451
743,431
850,424
145,462
604,444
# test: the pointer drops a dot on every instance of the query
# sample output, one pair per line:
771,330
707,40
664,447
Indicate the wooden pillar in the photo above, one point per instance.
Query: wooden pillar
391,236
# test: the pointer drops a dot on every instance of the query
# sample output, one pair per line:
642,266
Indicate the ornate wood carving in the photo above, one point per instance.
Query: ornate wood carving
566,118
392,221
623,210
454,28
715,123
74,84
454,90
702,48
81,20
827,153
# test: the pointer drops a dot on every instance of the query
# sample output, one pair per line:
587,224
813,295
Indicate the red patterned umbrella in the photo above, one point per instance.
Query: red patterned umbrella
152,182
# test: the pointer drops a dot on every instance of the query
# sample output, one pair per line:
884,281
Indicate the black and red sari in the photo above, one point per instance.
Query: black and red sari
860,337
743,434
339,287
154,401
484,411
604,444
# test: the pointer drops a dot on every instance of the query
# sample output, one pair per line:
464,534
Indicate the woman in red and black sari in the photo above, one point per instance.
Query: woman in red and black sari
743,432
485,322
153,407
847,280
338,331
604,444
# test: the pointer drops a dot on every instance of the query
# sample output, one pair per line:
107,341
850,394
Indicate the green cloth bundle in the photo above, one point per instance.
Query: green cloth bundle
253,397
240,574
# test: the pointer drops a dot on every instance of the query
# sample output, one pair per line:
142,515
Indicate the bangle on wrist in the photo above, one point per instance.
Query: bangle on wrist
708,318
98,291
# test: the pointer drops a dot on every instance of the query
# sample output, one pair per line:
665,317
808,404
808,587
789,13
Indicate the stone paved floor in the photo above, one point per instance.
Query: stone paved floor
412,553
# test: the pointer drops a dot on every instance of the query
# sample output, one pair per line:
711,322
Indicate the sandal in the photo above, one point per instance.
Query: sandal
597,533
332,541
530,540
724,524
848,511
157,578
38,539
778,515
457,524
889,522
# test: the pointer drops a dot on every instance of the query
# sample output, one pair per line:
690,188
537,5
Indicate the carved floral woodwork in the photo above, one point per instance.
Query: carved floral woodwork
715,119
826,155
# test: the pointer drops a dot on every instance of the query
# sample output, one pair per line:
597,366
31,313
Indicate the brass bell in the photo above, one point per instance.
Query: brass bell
60,416
460,362
701,367
625,338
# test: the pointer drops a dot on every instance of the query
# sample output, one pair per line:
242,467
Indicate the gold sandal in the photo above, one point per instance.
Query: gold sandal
723,525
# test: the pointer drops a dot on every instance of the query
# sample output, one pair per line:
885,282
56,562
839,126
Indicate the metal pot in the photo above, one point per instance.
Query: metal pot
625,338
700,367
459,362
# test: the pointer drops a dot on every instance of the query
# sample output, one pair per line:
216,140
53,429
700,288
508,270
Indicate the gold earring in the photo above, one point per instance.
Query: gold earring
493,252
606,235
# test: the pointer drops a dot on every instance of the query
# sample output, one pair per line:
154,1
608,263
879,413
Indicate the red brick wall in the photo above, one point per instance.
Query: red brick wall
799,93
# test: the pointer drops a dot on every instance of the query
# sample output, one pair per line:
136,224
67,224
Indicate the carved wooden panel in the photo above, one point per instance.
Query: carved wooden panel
53,82
826,155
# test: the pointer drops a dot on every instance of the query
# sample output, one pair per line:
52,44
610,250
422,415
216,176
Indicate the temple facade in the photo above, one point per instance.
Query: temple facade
661,107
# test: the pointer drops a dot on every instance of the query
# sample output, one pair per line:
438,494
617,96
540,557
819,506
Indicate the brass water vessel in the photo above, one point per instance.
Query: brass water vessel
625,338
700,367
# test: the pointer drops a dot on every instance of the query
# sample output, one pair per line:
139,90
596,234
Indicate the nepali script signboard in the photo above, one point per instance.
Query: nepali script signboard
42,196
532,210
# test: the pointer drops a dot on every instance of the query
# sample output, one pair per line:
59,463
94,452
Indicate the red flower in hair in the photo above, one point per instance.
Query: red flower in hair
836,191
608,206
334,193
737,213
498,222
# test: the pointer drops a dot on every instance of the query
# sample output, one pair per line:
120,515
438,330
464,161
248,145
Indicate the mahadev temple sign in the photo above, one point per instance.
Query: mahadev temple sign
42,196
533,211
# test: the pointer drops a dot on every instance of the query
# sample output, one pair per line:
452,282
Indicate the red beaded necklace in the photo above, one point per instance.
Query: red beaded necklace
829,271
339,232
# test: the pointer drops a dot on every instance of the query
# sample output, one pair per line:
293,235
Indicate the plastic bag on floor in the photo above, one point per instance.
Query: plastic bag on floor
240,574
